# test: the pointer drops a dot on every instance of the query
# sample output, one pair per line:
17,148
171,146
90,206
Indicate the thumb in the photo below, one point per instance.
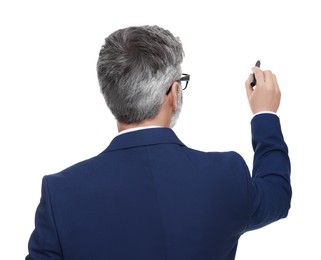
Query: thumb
248,87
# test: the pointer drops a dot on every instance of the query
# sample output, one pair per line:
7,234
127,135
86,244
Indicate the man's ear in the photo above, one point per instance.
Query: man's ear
173,95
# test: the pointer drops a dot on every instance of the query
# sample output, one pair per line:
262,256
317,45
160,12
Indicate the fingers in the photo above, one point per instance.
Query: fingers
268,78
266,95
270,81
259,74
265,76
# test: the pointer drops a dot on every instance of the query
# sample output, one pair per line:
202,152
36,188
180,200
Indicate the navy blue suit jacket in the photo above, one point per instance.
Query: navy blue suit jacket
148,196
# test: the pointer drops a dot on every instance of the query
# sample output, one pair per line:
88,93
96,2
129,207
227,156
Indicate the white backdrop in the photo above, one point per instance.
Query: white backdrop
53,115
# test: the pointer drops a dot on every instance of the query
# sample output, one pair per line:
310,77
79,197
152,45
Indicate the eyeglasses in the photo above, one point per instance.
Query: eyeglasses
185,78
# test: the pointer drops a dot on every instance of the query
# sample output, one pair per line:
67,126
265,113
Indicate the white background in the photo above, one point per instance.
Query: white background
53,115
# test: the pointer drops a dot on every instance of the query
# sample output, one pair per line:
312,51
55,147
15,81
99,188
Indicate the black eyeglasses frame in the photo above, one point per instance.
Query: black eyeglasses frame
186,77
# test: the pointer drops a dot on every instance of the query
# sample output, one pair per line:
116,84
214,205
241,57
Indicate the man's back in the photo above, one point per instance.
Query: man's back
147,196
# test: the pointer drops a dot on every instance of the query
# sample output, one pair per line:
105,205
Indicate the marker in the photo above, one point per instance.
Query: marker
253,82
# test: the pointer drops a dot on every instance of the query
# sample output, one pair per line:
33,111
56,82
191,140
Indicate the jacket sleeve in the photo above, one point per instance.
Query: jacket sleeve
269,186
44,242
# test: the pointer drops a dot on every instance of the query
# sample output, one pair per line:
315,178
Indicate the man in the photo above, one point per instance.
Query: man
148,196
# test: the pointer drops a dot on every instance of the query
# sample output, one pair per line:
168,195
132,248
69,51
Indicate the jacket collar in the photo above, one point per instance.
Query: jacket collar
144,137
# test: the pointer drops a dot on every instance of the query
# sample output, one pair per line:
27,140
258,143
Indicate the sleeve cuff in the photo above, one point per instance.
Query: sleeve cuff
264,112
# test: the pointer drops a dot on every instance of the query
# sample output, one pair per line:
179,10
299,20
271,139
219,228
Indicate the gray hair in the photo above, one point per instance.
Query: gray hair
135,68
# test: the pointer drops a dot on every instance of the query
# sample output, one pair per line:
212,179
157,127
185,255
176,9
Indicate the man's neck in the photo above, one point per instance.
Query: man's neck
162,119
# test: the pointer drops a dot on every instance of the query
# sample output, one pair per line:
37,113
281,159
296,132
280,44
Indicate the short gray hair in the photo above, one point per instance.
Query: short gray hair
135,68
